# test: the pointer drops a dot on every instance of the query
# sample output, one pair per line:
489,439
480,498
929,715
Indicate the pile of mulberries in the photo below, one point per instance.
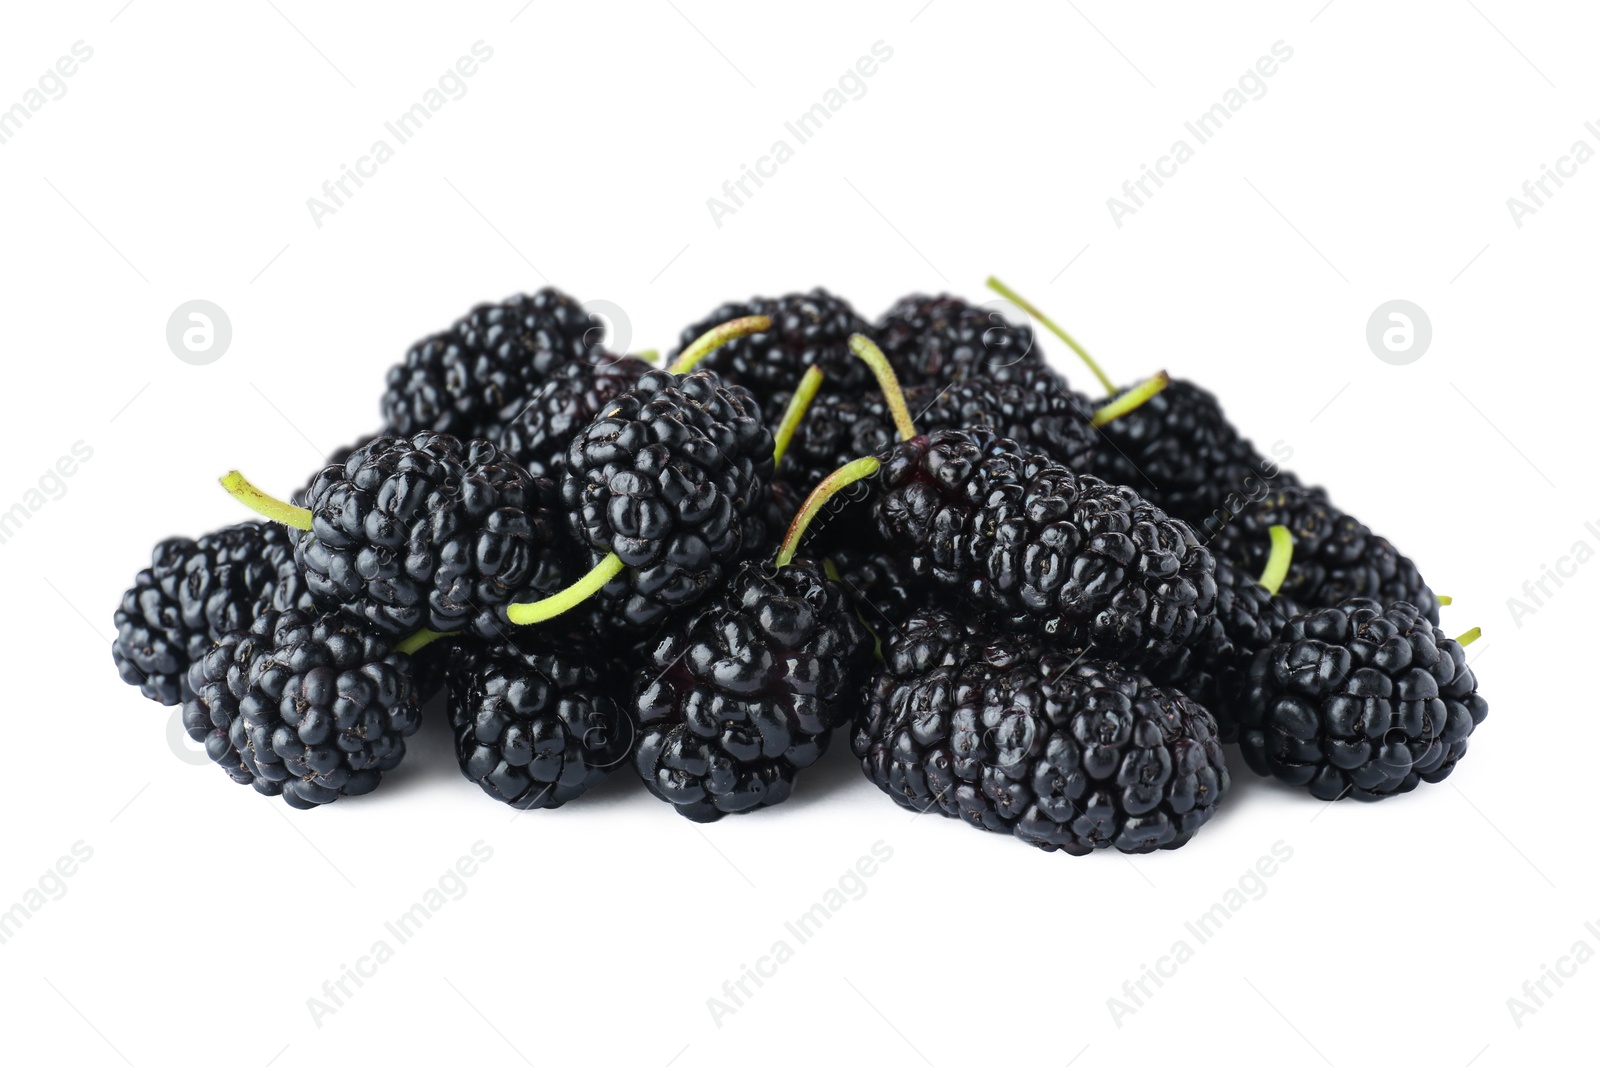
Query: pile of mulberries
1038,613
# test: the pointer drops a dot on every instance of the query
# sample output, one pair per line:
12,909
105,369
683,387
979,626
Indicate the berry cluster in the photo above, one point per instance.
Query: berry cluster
1033,612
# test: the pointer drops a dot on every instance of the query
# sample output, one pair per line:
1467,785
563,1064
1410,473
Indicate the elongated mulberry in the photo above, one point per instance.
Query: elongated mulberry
1336,556
1093,565
1014,735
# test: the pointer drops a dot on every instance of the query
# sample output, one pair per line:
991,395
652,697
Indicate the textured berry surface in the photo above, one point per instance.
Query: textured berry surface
1012,735
310,707
472,378
942,339
746,692
192,593
539,435
1212,672
1093,565
1336,557
430,532
1180,452
672,477
538,720
337,457
1032,409
807,329
881,586
1362,700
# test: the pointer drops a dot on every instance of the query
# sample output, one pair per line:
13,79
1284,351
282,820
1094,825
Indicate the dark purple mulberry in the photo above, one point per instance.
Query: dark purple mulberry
1013,735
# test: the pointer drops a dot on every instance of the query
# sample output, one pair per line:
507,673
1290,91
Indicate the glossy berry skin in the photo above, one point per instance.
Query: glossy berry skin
672,477
1212,671
428,665
192,593
942,339
764,536
429,532
312,708
838,428
1033,409
881,586
538,719
299,497
539,435
1359,700
1013,735
744,693
471,379
808,329
1336,556
1092,565
1180,452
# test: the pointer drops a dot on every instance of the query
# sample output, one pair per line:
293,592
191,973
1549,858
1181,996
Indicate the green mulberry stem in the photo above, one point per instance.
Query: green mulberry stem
539,610
1444,601
1011,294
804,394
1130,400
1279,555
825,491
239,487
715,338
418,640
1470,636
893,395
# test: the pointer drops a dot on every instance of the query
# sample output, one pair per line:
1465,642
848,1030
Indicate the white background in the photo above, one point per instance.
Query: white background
1376,166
